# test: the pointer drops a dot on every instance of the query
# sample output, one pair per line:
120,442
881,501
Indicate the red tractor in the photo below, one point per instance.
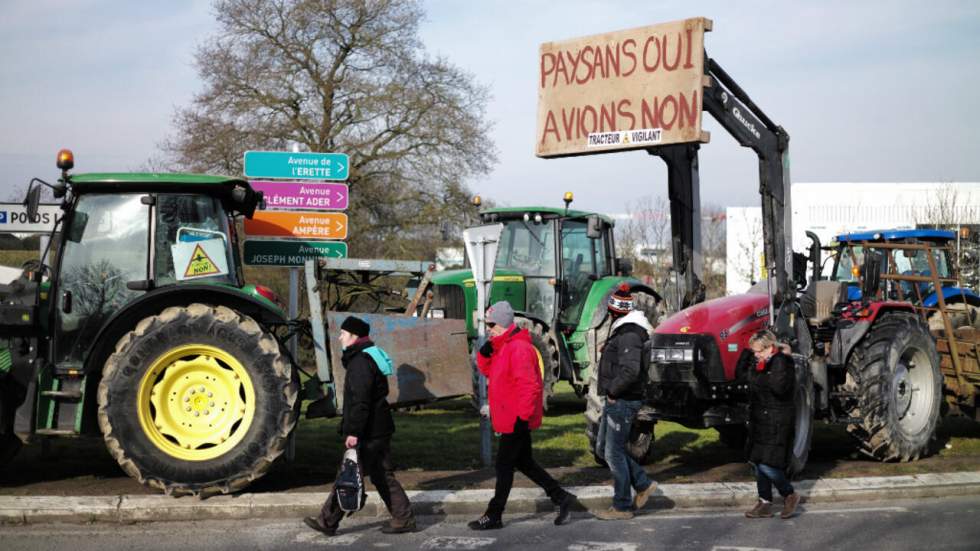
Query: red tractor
867,361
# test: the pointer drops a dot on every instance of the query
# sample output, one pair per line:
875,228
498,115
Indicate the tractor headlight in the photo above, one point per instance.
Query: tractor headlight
672,355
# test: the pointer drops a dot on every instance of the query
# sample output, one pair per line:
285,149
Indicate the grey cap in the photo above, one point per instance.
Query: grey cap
501,313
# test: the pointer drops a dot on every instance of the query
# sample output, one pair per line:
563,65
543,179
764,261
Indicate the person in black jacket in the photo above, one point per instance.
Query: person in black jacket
367,425
620,382
772,383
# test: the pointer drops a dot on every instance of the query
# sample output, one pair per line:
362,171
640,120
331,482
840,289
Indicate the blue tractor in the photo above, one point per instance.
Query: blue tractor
912,264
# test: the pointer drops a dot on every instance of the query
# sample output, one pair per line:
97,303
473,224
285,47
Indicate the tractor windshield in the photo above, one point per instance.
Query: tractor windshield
104,249
528,248
849,261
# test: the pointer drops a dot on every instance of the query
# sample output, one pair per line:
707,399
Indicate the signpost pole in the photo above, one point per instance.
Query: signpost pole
481,248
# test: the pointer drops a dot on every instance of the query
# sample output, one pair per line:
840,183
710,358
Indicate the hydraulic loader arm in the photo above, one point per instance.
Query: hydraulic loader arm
749,125
725,100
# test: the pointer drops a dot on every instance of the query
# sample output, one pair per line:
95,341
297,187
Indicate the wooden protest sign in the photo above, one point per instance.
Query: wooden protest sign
622,90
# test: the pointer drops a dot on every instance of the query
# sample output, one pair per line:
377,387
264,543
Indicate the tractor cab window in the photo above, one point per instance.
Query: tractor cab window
849,261
105,247
191,241
527,247
583,260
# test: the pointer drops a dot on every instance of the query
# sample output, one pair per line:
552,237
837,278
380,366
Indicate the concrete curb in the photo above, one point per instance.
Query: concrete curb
150,508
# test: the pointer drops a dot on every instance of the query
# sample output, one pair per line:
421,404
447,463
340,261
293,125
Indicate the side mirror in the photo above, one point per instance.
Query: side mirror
32,201
872,275
624,266
594,228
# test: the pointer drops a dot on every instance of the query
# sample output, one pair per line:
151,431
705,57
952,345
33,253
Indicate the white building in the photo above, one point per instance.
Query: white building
830,209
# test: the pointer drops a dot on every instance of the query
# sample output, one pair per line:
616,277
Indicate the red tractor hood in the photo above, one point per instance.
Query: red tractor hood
729,320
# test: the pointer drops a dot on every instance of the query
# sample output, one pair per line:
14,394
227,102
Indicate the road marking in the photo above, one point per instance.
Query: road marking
717,514
320,539
857,510
601,546
733,548
451,542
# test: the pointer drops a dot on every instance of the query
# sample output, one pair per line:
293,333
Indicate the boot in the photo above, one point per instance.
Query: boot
486,522
762,509
643,496
392,528
564,509
314,523
613,514
789,505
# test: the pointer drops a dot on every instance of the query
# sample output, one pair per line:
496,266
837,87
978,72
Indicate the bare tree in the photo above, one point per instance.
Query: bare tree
345,76
749,247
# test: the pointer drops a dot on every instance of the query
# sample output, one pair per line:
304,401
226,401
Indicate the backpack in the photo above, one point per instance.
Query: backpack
349,487
381,359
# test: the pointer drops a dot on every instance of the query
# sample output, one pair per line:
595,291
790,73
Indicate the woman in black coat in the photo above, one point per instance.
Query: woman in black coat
771,420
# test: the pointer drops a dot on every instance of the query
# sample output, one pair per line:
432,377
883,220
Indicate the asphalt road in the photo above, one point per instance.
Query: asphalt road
935,524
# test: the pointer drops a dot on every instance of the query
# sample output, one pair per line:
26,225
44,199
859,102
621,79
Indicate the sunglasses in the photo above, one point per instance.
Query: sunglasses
491,325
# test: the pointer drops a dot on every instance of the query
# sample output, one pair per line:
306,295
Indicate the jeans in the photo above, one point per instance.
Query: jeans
374,457
766,476
514,452
614,433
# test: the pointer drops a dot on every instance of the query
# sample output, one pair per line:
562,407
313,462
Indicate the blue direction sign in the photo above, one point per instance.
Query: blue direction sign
290,253
293,166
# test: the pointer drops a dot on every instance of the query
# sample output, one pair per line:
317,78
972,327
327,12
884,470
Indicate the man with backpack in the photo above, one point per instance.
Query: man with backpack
620,382
367,426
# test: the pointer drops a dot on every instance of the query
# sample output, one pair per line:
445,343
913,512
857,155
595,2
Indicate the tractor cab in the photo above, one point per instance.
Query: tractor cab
558,253
125,235
906,254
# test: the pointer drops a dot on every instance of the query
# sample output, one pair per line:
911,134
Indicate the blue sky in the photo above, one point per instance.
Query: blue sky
868,91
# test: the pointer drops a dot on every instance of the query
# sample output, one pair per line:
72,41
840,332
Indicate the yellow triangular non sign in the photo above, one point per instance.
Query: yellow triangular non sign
200,264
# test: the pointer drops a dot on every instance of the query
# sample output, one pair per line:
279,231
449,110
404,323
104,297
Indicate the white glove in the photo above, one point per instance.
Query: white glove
485,411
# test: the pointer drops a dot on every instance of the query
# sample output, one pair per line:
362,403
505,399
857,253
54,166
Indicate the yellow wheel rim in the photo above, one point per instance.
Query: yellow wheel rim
540,362
196,402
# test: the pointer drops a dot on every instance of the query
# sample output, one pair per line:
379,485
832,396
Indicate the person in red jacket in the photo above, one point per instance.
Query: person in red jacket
510,363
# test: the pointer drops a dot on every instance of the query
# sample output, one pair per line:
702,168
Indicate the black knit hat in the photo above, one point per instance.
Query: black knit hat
356,326
621,301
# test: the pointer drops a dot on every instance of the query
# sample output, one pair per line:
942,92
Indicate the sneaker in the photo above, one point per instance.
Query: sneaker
564,509
613,514
391,528
641,498
486,523
789,505
762,509
314,523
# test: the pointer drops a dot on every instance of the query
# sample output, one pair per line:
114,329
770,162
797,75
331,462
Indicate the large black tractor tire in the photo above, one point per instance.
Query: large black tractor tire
593,416
592,433
640,445
803,420
11,395
732,436
895,373
187,367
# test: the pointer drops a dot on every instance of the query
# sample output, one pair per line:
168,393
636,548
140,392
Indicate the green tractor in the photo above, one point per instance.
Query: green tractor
136,325
557,268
